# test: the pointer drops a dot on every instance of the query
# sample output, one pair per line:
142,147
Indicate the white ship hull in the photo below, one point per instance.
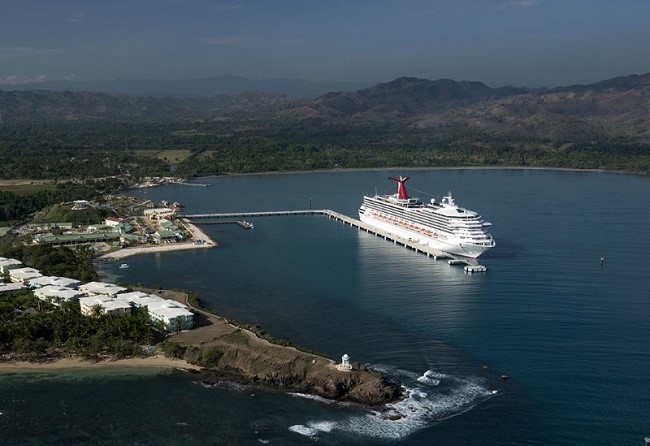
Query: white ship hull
444,242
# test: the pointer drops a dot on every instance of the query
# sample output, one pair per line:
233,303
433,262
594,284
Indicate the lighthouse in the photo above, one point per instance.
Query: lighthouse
345,365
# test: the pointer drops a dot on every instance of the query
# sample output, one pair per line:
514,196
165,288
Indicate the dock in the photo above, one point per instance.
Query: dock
408,243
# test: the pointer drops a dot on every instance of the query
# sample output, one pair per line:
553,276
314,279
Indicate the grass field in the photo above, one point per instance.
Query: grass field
171,156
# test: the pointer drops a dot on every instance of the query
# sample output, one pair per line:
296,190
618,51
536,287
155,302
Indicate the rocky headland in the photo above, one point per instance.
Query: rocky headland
226,352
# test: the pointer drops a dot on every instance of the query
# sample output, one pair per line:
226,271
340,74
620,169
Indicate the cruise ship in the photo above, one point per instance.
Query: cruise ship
442,225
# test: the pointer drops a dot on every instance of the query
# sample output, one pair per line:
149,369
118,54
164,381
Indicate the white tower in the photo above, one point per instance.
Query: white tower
345,365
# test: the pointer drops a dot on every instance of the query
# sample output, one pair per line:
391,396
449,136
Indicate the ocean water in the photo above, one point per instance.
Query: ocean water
572,336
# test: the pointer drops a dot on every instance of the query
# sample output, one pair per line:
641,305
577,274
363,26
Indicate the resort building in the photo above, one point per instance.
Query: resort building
159,213
104,305
76,239
23,275
112,221
57,294
42,281
173,317
98,288
6,287
7,265
139,299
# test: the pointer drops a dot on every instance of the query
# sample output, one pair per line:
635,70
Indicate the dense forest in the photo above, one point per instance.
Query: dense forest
100,149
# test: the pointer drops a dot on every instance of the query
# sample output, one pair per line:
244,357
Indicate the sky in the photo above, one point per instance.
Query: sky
529,43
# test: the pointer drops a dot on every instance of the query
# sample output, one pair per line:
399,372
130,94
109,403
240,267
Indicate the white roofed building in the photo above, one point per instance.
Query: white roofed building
6,287
159,213
57,294
105,304
173,316
7,265
23,275
140,299
42,281
94,288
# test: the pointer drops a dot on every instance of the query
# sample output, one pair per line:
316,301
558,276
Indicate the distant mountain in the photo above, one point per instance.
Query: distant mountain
613,108
409,96
213,86
621,83
40,105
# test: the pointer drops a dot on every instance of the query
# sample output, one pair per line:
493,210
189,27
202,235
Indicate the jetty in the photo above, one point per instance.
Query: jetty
408,243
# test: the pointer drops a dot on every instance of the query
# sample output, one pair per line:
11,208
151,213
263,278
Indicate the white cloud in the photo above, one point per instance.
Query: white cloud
232,40
230,7
75,18
16,79
520,4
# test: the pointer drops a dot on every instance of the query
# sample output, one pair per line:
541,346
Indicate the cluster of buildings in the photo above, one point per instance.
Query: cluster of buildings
94,297
113,230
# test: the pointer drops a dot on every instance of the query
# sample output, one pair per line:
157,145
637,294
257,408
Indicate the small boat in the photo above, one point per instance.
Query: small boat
124,266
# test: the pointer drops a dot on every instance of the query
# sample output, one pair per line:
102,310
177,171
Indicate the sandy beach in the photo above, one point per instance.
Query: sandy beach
196,232
75,363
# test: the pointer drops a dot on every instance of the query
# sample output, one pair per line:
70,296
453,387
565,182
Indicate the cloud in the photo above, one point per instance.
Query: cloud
231,40
26,51
230,7
16,79
520,4
558,36
75,18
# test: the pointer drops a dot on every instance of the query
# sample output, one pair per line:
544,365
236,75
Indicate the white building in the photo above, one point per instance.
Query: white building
42,281
7,265
95,288
23,275
345,365
173,317
57,294
112,221
158,213
6,287
106,304
139,299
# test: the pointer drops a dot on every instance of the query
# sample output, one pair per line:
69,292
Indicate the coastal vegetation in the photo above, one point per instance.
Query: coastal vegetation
18,206
407,122
74,263
52,332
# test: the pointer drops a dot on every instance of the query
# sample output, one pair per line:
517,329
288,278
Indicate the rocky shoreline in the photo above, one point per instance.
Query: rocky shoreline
225,352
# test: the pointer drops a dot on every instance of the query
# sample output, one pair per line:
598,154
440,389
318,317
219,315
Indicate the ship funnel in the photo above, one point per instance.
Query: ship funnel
401,189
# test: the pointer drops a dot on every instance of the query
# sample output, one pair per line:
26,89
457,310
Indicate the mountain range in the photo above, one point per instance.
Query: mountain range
192,88
613,108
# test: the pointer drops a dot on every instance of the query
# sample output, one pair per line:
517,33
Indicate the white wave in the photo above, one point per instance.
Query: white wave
303,430
392,371
418,409
430,377
308,396
263,441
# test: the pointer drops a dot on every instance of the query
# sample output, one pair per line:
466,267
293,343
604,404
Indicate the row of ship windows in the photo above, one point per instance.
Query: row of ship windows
427,219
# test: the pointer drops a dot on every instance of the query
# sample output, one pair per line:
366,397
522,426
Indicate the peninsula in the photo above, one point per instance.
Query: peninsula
55,323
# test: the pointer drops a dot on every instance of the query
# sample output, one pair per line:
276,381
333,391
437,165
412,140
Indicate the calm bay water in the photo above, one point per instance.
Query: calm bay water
572,336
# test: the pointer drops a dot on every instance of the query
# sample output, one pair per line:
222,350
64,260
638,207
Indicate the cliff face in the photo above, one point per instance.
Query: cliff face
242,356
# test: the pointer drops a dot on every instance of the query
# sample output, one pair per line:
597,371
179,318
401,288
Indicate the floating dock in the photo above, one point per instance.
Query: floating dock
475,269
408,243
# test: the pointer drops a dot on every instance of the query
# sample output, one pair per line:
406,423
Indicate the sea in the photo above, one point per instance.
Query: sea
563,312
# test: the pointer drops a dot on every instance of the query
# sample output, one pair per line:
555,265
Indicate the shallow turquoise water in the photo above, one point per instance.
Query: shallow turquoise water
572,336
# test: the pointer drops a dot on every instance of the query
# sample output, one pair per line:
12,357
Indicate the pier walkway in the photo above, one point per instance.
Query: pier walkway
408,243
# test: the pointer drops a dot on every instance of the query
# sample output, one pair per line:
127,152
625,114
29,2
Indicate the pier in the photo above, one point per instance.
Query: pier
408,243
